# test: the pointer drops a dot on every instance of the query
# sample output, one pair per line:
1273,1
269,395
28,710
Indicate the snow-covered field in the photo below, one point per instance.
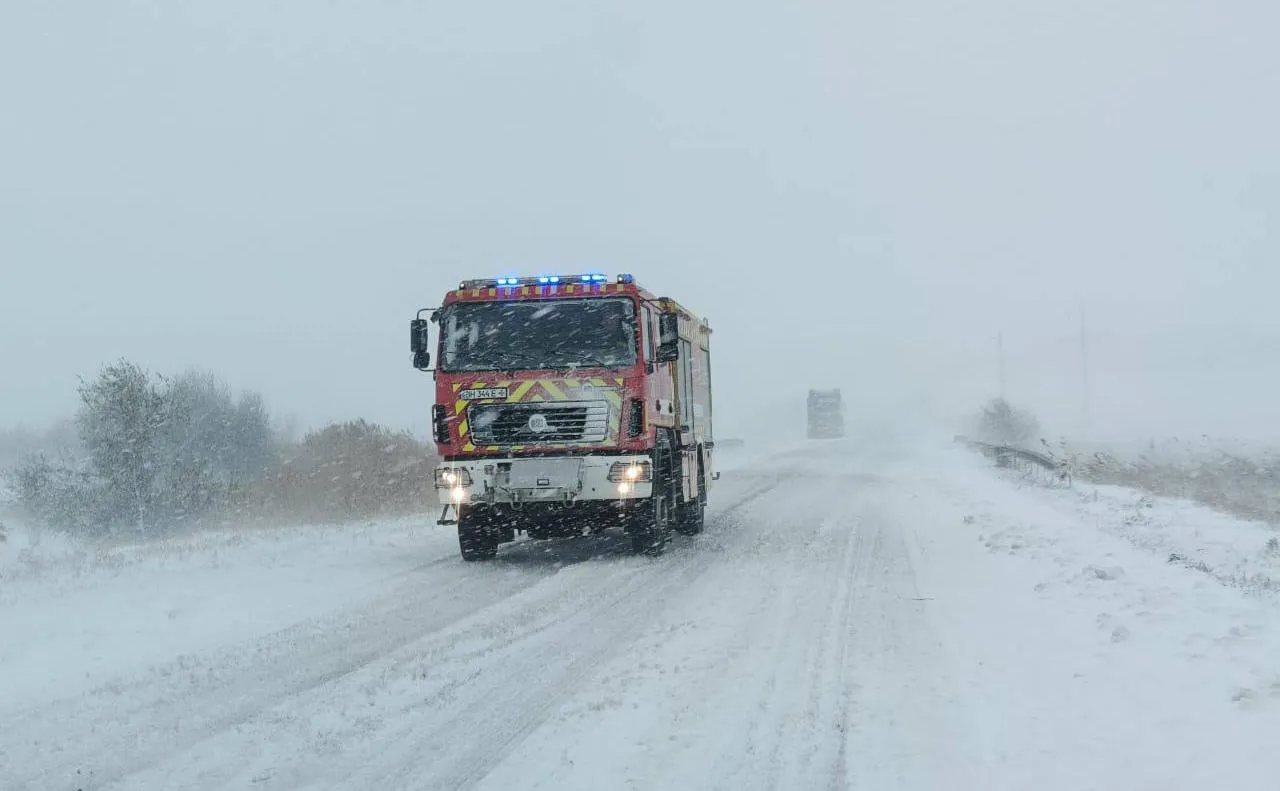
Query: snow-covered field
896,617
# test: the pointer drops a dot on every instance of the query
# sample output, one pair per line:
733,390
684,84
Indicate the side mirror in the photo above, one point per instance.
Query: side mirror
418,335
419,343
668,337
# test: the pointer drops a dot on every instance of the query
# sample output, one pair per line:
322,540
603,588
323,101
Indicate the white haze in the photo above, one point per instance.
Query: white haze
856,194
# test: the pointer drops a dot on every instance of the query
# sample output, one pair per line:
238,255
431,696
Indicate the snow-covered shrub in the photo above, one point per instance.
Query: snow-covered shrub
349,470
59,494
157,454
1001,423
1238,480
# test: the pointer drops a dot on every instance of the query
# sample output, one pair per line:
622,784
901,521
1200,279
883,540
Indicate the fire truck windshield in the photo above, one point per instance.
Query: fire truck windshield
538,334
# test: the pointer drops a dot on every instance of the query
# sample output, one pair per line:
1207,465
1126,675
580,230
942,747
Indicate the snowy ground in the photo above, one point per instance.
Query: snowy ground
888,618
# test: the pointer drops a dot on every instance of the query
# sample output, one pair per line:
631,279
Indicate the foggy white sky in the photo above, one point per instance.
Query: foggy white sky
269,190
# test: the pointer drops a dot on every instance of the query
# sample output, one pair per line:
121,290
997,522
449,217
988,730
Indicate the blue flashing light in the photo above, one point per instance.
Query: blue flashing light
593,278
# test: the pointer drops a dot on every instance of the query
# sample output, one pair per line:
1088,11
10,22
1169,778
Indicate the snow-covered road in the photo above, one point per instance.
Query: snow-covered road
901,619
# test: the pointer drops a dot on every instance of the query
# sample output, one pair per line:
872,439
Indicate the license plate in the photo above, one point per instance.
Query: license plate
488,392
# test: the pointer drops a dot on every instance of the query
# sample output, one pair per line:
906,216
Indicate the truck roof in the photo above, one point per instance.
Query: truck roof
500,289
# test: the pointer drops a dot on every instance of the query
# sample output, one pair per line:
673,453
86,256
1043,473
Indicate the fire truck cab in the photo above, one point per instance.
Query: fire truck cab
567,404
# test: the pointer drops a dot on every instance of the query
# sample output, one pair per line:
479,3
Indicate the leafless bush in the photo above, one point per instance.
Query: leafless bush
1001,423
159,454
1216,476
355,469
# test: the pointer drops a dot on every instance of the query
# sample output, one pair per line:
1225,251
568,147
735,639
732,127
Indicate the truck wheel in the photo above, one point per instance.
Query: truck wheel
651,525
476,537
693,515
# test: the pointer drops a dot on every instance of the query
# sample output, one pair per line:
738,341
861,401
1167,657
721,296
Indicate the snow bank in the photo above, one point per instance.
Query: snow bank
1234,551
25,550
74,615
862,613
1097,662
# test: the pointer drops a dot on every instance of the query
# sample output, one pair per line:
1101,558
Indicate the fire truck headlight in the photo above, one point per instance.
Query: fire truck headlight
459,495
631,472
624,488
449,477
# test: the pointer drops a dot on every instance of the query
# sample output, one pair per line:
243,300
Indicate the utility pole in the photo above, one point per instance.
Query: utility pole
1084,375
1000,356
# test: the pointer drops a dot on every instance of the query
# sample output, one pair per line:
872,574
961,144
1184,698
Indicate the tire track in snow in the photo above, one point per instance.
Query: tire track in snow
514,685
802,716
738,685
900,723
133,723
128,727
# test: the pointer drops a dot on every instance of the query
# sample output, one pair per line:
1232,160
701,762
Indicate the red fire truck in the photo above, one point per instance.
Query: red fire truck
568,403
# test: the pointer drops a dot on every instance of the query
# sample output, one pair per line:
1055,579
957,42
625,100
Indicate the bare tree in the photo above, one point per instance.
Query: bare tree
1001,423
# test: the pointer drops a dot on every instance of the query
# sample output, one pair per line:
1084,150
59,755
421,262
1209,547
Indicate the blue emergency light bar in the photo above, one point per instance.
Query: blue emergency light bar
593,278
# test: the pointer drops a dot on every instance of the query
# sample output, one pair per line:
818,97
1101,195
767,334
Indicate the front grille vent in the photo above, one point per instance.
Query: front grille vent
545,423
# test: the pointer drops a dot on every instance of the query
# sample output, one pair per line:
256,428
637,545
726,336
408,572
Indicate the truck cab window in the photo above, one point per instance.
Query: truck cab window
541,334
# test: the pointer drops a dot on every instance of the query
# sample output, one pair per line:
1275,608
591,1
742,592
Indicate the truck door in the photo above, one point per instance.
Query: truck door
686,392
688,446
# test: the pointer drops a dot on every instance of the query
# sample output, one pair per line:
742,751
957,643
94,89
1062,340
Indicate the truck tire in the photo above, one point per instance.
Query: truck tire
477,539
652,521
693,515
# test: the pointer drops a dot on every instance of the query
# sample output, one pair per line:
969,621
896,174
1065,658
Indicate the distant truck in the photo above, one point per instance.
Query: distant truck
568,402
826,414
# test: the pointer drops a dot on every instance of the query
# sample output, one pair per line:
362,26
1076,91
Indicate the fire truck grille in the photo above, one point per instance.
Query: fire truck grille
547,423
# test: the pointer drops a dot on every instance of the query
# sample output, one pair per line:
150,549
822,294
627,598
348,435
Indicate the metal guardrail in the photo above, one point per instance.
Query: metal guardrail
1042,465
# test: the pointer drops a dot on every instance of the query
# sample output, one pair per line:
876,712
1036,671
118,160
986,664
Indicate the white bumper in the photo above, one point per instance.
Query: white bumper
553,479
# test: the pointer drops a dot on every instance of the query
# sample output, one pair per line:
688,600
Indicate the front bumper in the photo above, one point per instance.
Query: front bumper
550,479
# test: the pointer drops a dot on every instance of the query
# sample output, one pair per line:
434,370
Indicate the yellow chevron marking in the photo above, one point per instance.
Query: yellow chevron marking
536,398
460,407
491,447
462,427
613,398
573,384
597,381
457,386
468,447
477,386
619,381
552,390
519,392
